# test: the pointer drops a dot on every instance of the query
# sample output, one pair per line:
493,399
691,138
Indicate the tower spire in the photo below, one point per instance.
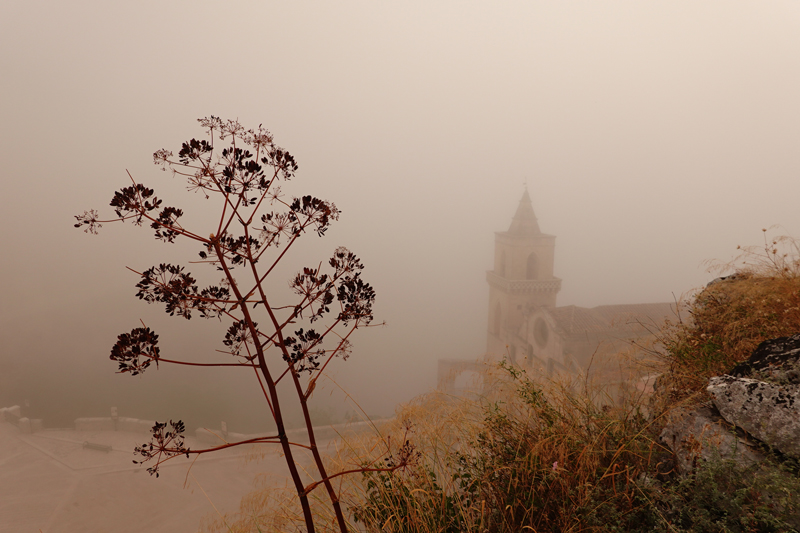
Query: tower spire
524,221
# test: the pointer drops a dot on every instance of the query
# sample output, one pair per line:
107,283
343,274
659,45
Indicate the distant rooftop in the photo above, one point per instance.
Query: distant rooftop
571,319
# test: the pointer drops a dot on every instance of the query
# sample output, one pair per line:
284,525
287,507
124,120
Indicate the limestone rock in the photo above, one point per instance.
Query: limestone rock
776,360
733,277
702,435
768,411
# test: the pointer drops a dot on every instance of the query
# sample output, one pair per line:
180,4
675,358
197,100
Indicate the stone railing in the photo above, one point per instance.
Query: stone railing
216,437
12,415
114,423
523,286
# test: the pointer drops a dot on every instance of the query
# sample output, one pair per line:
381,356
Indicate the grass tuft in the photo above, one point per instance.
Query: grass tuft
728,319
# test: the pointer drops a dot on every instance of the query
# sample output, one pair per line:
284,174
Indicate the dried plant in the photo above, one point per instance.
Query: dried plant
723,324
257,225
778,256
534,454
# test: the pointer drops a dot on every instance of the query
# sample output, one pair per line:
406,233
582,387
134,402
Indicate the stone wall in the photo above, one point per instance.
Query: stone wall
13,415
212,437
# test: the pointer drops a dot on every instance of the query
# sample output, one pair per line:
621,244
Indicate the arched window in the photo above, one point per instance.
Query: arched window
533,267
541,332
502,266
497,320
512,354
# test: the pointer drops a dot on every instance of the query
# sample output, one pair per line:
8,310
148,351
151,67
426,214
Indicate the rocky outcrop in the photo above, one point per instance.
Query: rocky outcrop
733,277
755,407
767,411
776,360
701,435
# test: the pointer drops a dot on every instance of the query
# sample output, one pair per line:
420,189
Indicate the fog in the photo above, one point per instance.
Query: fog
651,137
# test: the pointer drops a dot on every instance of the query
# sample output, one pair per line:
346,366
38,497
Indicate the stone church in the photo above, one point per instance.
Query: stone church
529,329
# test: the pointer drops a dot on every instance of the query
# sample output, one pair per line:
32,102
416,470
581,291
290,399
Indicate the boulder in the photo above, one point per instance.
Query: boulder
733,277
776,360
768,411
702,435
757,404
762,395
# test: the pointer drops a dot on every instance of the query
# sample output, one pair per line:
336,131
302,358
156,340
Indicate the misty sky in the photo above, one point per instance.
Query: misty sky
652,136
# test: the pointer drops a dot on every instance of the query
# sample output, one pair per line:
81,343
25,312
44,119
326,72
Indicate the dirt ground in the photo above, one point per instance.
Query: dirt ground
51,482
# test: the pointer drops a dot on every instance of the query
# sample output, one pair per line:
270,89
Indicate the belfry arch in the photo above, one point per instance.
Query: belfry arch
532,267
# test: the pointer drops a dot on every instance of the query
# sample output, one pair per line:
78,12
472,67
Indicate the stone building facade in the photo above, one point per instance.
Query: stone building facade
526,326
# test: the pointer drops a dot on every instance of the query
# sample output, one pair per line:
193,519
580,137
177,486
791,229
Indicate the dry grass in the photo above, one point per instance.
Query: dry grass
536,455
729,319
525,456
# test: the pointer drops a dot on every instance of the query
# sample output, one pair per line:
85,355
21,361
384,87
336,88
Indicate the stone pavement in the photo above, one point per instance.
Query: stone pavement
50,482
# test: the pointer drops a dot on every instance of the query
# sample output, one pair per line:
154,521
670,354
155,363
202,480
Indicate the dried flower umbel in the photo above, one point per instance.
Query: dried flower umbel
257,225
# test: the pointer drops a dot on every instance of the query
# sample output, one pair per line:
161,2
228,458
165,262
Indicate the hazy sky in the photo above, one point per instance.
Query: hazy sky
652,136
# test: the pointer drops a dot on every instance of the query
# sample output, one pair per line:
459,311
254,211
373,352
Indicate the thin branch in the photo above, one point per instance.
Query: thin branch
315,484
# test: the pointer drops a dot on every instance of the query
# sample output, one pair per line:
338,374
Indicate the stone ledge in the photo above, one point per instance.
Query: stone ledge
768,412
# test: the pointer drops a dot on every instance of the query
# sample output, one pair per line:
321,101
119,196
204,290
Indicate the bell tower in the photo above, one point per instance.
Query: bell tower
522,278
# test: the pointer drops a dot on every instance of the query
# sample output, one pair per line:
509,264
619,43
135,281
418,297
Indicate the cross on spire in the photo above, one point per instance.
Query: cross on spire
524,220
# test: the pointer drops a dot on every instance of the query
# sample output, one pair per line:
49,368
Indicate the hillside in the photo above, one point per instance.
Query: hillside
537,455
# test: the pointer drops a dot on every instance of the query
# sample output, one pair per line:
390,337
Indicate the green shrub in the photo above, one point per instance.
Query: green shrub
541,460
722,496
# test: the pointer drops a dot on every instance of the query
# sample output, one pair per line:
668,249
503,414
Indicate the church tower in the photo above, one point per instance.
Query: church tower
522,278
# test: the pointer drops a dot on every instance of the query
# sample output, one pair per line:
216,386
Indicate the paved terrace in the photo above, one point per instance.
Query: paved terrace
50,482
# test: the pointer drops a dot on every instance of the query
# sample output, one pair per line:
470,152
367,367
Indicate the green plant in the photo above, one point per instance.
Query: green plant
529,456
417,502
721,496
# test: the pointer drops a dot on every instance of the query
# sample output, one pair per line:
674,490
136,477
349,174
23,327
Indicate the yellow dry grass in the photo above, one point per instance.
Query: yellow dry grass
727,320
530,454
